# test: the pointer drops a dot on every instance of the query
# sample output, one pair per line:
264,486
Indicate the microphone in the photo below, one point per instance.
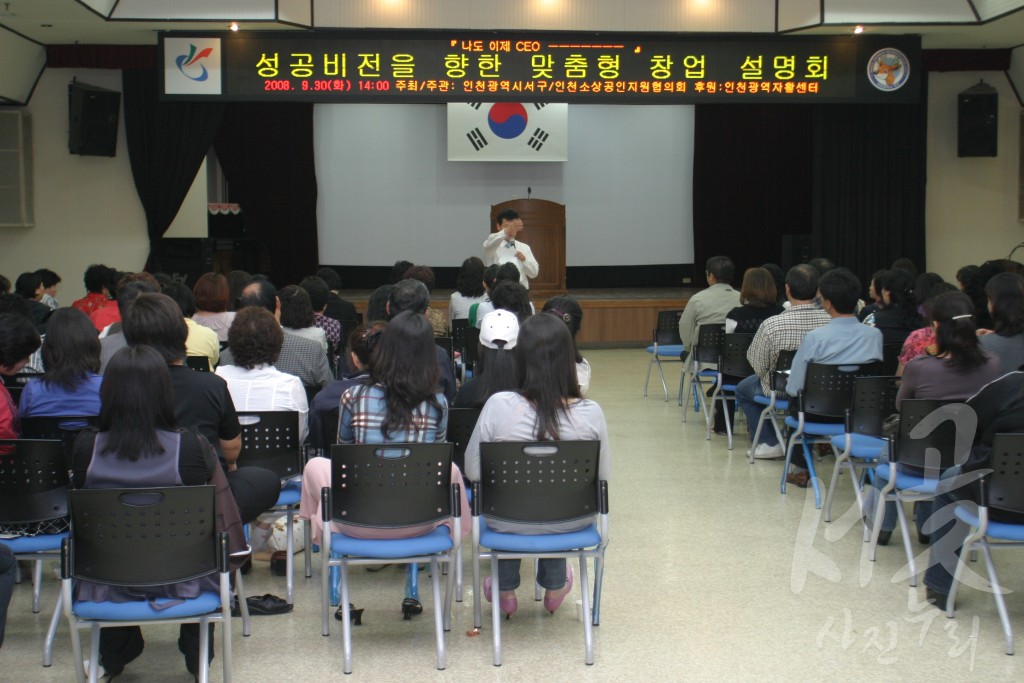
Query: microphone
528,191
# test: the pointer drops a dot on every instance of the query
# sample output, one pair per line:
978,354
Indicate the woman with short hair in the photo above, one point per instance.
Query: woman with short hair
212,293
297,315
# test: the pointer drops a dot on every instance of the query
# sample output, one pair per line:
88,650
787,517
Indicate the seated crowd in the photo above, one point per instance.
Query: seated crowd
166,370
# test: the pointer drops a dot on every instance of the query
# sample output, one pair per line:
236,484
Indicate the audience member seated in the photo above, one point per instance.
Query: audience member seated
921,341
361,344
757,303
512,297
1005,293
779,278
211,293
202,342
875,302
400,405
100,283
297,316
71,382
438,319
29,286
337,308
969,279
843,341
319,296
496,369
18,341
377,305
140,444
782,332
412,296
398,271
469,289
546,407
50,282
568,310
237,281
115,341
898,316
709,306
957,371
108,319
494,275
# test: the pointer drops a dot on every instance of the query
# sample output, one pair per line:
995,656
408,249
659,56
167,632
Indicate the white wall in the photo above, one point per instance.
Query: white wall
971,203
86,208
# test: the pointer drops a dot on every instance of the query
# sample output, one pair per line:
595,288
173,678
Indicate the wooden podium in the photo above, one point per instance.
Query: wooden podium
544,231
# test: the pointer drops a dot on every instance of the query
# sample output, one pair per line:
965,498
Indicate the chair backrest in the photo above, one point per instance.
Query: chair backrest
198,363
64,428
539,481
667,337
472,349
19,380
461,422
1005,489
33,480
733,361
459,326
710,337
828,389
780,373
874,399
446,344
270,439
667,331
329,427
891,358
144,537
932,448
391,485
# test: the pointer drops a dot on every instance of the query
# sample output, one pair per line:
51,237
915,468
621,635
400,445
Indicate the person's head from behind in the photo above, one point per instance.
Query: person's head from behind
136,399
377,305
496,366
779,278
155,320
261,293
507,272
318,292
212,293
470,280
512,296
330,277
906,264
408,296
568,310
546,370
802,282
841,289
5,285
758,289
71,349
719,269
50,280
821,264
898,288
29,286
296,308
18,341
490,276
99,278
128,279
405,365
924,285
255,338
237,281
182,296
1006,303
362,342
969,279
955,332
398,270
424,274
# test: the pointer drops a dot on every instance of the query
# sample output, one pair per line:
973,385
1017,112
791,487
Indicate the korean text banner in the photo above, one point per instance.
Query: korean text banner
458,66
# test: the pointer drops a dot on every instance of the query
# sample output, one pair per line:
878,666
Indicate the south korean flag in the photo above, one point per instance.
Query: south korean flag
508,131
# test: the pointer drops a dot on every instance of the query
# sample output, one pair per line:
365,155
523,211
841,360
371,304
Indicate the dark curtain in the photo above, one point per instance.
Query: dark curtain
752,180
266,152
870,185
167,142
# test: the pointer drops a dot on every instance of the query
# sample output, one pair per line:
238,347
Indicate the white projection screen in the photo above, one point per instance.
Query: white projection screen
387,191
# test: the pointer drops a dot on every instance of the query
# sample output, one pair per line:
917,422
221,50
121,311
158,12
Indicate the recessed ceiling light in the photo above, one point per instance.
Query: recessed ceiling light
233,26
858,29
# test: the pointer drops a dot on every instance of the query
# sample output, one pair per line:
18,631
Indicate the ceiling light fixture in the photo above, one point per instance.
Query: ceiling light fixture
233,26
858,29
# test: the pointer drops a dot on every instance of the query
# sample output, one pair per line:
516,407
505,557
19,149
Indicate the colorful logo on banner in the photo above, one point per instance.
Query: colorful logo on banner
192,66
888,69
508,131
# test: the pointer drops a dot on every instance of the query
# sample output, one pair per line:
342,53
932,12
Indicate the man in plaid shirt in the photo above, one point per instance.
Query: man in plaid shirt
782,332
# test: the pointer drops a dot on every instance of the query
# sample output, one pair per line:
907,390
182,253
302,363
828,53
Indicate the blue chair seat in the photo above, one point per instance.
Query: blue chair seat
911,483
289,496
668,350
863,446
538,543
35,544
728,387
140,610
817,428
998,530
437,541
780,403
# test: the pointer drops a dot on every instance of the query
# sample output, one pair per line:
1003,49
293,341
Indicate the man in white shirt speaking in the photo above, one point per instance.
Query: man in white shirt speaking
503,247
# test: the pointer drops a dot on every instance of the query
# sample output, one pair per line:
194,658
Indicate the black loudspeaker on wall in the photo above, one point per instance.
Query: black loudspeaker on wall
93,114
977,121
795,249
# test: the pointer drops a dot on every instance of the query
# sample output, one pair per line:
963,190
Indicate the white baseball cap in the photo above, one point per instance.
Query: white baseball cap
499,325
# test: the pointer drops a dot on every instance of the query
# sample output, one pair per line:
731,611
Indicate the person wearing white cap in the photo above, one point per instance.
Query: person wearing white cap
496,367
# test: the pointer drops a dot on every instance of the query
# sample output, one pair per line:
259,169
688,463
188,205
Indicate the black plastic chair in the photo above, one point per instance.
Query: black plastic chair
472,352
666,347
461,422
446,344
143,538
543,482
1001,491
927,443
390,486
270,439
710,338
459,326
862,443
776,402
329,429
198,363
64,428
34,488
890,358
732,367
16,383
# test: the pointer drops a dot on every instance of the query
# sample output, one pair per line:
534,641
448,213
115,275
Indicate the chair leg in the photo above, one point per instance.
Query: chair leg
204,651
94,653
661,374
325,587
37,585
728,422
496,609
598,581
51,632
842,458
588,627
997,593
307,537
647,379
458,575
435,585
225,637
815,482
346,624
789,458
478,595
243,605
757,434
905,532
449,589
537,595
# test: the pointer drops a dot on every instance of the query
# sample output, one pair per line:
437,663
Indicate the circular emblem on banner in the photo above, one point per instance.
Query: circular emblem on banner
888,69
507,120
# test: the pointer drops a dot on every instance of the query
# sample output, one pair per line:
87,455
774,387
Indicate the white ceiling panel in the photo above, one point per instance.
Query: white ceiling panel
798,13
987,9
904,11
296,11
23,61
201,10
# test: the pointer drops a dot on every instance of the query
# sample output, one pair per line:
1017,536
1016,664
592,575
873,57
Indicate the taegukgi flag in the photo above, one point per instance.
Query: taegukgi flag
508,131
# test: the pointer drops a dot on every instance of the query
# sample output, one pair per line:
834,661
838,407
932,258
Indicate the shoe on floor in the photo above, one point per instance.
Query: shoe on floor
766,452
264,605
936,598
553,598
883,537
507,603
799,478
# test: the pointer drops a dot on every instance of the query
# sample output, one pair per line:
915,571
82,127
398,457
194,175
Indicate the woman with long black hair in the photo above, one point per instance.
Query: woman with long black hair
70,384
1005,294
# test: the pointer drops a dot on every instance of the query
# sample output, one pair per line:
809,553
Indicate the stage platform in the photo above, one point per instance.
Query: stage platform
612,317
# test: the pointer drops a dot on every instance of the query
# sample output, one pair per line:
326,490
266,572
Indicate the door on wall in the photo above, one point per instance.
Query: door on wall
544,231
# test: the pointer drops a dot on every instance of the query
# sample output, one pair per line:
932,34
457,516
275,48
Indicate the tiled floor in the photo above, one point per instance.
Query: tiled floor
711,575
